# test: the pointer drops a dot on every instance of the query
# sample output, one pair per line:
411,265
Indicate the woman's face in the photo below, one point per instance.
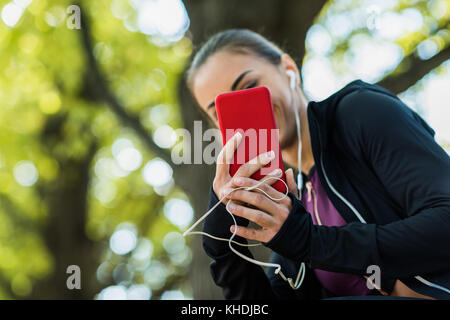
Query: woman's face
227,71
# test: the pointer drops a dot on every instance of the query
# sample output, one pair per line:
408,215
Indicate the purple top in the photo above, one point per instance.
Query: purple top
315,197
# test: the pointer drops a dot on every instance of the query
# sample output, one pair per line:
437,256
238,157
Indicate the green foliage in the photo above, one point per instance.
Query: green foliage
46,118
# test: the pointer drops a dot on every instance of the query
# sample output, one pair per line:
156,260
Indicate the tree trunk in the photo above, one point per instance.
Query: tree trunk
64,233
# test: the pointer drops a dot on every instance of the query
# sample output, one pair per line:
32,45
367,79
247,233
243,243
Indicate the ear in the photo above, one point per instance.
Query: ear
287,63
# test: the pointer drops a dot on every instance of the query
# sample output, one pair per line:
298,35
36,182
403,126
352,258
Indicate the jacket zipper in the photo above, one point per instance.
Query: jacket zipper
310,190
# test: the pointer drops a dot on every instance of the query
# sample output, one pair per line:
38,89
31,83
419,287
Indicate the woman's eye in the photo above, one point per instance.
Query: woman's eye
251,85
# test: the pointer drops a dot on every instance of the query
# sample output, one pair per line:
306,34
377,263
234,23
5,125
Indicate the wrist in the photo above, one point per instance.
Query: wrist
293,239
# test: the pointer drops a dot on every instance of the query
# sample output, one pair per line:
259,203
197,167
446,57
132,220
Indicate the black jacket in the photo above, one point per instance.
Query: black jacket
383,171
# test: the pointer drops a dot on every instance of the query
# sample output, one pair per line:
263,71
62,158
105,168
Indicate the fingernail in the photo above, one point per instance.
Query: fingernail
276,172
232,229
269,155
231,206
238,181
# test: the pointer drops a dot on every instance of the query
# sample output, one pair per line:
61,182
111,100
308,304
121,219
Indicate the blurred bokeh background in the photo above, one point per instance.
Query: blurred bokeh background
88,119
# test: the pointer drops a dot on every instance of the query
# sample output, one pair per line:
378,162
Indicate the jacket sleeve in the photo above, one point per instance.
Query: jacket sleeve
240,279
310,289
413,168
400,148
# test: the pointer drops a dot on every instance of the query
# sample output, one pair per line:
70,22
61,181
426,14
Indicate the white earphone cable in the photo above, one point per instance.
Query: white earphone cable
301,273
299,177
292,84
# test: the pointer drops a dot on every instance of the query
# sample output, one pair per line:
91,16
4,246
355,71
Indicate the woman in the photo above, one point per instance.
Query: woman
376,186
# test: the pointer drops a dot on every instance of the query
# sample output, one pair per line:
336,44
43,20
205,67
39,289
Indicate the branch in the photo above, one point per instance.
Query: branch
295,20
399,82
98,90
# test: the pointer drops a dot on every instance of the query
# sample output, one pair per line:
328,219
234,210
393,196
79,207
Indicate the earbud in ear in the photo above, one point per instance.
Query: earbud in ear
292,79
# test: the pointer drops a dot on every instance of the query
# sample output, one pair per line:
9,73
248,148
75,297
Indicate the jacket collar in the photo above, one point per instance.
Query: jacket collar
321,122
323,112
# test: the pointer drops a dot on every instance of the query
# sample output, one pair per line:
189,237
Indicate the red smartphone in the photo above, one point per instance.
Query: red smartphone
250,112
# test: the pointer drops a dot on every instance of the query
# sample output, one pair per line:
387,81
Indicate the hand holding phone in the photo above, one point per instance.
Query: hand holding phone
223,180
250,112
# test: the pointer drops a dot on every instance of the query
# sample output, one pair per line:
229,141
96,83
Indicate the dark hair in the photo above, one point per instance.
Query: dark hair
235,40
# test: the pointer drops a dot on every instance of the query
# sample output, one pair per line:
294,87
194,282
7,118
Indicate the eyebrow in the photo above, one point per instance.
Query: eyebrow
238,79
233,86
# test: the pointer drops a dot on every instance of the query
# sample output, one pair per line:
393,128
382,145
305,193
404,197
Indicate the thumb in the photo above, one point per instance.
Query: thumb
290,180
